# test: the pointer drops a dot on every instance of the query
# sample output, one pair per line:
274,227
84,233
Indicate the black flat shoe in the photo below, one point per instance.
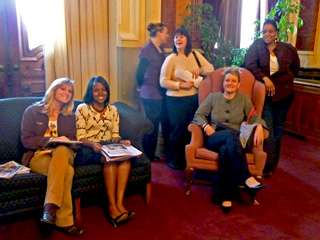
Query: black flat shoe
251,191
117,220
49,218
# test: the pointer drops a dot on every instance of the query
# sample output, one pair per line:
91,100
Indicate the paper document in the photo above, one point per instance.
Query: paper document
187,76
9,169
118,152
55,142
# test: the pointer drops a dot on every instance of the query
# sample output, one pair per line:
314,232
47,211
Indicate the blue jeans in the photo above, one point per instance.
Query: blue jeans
275,114
233,168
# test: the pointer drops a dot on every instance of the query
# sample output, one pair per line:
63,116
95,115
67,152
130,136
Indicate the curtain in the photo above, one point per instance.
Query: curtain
271,4
78,48
228,14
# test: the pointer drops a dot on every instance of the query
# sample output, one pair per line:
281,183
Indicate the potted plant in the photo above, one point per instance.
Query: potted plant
216,50
221,52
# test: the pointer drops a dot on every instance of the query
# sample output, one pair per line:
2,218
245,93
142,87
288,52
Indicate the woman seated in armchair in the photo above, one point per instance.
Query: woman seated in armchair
229,108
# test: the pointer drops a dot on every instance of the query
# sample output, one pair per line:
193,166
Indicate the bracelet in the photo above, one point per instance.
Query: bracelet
204,129
204,125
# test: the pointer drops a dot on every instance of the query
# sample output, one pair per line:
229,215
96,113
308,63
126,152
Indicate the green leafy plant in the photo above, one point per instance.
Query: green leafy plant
221,52
216,50
280,13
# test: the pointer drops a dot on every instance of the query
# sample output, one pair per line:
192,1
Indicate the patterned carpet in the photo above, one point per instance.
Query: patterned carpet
289,207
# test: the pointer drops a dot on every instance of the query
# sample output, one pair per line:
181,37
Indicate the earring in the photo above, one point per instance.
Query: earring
276,39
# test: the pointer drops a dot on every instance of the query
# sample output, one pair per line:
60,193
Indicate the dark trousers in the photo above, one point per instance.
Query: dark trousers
181,111
274,114
233,168
156,112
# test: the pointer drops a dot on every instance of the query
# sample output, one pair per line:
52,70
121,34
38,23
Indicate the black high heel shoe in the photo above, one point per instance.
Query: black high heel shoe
251,191
117,220
225,209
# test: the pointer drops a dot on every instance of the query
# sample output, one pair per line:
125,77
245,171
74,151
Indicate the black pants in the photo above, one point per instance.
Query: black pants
156,112
181,111
275,114
233,168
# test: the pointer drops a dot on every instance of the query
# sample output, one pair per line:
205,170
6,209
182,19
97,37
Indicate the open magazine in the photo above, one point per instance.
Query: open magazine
119,152
9,169
55,142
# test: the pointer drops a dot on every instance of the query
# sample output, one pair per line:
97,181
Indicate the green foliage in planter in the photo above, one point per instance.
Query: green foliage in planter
221,52
280,13
216,50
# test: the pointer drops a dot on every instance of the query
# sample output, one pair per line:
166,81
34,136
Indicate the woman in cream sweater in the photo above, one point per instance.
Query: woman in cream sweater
180,76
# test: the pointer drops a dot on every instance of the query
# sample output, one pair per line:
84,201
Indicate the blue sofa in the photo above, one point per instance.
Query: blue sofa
26,192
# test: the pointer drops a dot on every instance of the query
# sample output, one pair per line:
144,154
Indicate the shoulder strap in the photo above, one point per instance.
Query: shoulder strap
196,57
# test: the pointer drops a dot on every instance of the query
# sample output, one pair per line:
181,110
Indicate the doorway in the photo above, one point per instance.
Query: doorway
21,68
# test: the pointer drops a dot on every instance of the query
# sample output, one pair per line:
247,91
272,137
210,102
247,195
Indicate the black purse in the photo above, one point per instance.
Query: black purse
221,126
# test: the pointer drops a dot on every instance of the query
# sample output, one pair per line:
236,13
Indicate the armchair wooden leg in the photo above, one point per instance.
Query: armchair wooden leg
148,193
77,210
188,173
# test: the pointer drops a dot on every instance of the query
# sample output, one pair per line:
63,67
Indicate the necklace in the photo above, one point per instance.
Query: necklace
101,112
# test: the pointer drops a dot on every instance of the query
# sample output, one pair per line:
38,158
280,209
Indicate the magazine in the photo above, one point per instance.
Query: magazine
55,142
9,169
118,152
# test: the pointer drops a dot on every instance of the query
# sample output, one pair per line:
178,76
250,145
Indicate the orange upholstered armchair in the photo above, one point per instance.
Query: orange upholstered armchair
197,156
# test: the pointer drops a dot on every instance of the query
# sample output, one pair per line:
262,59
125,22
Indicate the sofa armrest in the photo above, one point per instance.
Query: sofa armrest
133,125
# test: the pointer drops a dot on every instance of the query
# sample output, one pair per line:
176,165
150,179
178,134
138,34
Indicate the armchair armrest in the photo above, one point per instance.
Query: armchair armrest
195,143
196,135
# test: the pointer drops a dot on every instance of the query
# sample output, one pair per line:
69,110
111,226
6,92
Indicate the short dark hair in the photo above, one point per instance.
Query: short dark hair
272,22
88,96
183,32
153,28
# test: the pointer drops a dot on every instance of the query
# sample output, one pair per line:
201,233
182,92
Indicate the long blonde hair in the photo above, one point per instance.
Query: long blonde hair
49,97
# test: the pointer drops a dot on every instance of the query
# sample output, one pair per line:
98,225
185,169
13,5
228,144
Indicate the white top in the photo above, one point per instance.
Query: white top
274,65
170,81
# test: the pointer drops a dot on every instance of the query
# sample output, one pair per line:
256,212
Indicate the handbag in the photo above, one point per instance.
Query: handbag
198,62
247,131
221,126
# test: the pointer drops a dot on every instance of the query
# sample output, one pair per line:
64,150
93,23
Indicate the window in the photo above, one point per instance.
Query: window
249,14
32,16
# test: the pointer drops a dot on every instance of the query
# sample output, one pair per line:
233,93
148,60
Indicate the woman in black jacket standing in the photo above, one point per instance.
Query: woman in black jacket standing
275,64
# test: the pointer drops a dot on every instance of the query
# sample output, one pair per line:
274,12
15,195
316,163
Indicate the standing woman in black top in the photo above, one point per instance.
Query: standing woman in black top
275,64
